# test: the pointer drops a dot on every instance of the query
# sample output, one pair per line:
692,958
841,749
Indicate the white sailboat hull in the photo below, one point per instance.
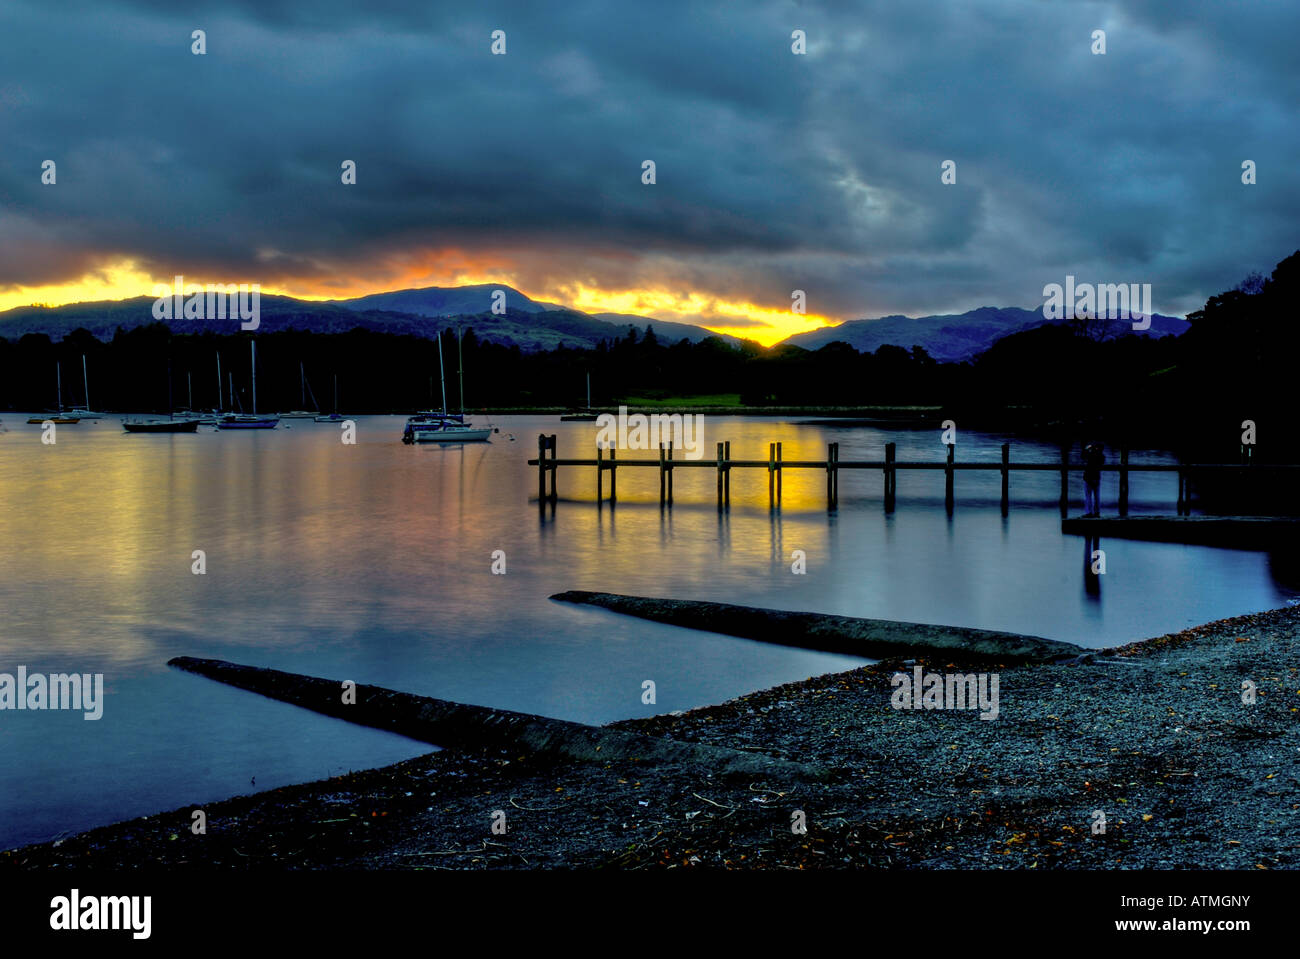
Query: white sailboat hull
465,434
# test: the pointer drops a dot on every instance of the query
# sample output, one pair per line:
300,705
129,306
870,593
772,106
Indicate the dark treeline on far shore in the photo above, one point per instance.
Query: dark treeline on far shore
1189,394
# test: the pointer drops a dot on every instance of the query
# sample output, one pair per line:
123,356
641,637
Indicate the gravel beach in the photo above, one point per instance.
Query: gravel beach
1155,737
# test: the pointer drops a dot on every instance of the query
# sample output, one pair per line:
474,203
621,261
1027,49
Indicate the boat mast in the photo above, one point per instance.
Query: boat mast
441,375
230,377
189,391
302,372
58,379
218,382
589,391
85,381
252,345
460,362
169,387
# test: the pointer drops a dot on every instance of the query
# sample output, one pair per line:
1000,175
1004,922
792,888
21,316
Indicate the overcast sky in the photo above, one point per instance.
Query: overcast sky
775,171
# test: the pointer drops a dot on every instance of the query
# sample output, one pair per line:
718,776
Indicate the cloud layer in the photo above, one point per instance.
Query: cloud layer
775,172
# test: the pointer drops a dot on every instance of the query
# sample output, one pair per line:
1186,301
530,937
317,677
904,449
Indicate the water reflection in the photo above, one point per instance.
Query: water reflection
1094,567
373,562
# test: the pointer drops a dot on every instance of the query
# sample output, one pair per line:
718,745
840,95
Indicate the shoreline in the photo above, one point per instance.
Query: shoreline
1153,734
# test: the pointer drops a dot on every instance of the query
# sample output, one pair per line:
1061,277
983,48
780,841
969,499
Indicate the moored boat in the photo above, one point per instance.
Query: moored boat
160,426
444,427
156,424
249,421
302,414
62,417
336,416
585,415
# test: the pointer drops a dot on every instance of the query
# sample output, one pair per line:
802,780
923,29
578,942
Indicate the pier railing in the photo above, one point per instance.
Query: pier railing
607,461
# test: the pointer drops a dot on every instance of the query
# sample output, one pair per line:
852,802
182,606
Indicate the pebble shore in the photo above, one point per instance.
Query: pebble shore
1155,737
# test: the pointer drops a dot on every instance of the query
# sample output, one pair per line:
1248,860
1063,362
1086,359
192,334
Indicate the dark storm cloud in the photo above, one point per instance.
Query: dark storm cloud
775,171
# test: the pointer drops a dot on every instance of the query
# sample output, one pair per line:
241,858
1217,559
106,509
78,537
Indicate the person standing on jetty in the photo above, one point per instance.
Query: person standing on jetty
1094,456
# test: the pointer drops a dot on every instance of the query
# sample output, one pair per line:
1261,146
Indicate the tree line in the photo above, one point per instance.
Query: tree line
1192,392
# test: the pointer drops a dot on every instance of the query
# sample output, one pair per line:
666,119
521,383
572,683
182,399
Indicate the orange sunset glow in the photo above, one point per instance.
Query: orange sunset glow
765,324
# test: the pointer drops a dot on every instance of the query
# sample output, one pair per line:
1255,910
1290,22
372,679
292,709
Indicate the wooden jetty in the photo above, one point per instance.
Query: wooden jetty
1242,532
548,465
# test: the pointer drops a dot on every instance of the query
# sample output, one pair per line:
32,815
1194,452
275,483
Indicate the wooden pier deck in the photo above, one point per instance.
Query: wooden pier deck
607,461
1242,532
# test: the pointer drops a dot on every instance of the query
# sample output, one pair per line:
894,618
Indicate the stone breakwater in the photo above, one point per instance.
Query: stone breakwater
1156,736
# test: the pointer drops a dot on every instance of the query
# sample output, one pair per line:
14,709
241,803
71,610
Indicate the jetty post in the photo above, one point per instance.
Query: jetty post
663,477
771,475
1065,480
541,467
554,467
670,474
890,476
726,479
544,464
947,478
832,475
1123,481
778,474
837,474
1006,478
719,477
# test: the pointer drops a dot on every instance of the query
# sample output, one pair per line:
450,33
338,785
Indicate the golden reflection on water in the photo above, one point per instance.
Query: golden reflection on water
308,540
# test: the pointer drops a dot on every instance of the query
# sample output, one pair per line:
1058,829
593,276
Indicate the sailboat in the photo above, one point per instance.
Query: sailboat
84,412
249,421
212,417
334,417
301,414
60,417
585,415
157,424
444,427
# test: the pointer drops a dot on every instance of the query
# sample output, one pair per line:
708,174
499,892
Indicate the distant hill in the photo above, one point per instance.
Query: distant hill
953,338
666,331
447,301
534,325
549,324
529,324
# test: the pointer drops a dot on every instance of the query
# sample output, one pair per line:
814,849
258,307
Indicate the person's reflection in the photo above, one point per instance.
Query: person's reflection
1094,565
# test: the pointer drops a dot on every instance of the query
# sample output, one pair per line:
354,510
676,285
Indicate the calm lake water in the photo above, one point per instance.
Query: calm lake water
372,563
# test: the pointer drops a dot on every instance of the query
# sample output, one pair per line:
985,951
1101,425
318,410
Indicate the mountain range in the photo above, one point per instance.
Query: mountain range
534,325
955,337
529,324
